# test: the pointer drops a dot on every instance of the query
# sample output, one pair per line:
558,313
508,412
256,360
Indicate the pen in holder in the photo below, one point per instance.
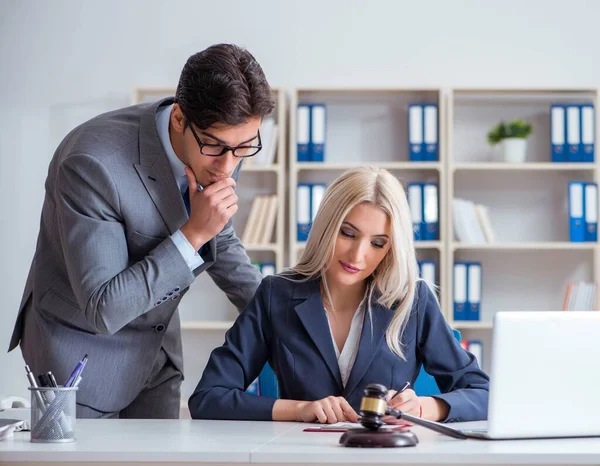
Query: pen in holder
53,414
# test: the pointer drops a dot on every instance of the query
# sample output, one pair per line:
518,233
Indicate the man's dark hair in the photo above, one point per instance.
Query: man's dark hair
223,84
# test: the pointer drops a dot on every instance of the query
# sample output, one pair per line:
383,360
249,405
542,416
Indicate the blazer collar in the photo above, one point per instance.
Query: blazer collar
155,172
312,315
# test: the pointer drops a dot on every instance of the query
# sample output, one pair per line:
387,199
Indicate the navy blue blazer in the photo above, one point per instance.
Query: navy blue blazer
285,323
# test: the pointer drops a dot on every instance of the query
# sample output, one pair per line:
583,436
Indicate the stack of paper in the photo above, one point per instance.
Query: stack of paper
581,296
344,426
260,224
8,427
471,222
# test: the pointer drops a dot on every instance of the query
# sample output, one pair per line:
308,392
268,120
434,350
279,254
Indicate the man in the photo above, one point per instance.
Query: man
117,250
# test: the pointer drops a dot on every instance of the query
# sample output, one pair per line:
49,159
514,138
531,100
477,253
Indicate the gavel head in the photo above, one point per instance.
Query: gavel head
373,406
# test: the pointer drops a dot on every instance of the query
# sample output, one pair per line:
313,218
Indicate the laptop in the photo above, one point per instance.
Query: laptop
545,376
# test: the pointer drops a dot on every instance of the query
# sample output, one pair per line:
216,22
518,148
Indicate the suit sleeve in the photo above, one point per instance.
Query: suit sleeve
109,289
232,271
231,368
463,385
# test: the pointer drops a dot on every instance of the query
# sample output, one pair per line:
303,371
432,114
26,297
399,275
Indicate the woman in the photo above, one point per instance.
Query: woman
352,312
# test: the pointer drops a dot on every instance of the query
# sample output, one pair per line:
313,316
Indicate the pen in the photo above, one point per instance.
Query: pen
52,379
42,380
406,385
78,368
33,384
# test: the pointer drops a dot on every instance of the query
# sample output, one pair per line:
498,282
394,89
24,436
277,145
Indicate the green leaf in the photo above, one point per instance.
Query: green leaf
513,129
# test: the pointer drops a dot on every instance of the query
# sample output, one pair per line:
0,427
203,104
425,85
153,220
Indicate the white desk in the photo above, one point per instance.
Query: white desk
128,442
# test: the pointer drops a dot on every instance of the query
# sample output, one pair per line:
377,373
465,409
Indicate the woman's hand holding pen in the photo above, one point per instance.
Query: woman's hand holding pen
326,411
405,400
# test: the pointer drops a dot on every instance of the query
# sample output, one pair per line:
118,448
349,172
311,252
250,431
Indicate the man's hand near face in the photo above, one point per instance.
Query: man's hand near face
210,209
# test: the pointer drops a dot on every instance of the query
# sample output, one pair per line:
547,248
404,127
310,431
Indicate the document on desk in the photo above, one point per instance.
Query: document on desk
344,426
8,426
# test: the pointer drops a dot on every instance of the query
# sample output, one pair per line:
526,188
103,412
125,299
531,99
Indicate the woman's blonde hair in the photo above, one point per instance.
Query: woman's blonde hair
394,280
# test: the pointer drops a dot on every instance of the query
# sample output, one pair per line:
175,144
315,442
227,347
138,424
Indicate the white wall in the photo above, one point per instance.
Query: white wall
63,61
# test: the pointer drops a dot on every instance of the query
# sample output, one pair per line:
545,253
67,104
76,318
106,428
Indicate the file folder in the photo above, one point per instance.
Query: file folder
574,134
415,203
430,133
303,211
415,132
474,291
318,118
591,212
303,133
267,268
316,196
475,347
576,212
587,133
460,291
558,133
430,212
427,273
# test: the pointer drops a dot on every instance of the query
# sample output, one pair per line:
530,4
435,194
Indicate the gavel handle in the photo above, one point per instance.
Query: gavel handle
435,426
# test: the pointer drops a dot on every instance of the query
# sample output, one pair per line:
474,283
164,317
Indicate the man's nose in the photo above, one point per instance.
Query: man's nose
228,161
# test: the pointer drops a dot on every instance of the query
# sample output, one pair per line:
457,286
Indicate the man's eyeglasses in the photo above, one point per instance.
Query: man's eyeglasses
215,150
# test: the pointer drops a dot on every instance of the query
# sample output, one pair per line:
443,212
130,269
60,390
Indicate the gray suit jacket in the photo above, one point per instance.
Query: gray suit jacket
106,279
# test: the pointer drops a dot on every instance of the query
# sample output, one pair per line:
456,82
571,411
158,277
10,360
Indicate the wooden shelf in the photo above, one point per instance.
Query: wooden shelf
207,325
260,168
428,245
533,166
387,165
557,246
507,96
468,325
262,247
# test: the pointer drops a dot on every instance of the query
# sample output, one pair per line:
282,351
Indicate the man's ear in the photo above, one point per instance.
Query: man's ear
177,119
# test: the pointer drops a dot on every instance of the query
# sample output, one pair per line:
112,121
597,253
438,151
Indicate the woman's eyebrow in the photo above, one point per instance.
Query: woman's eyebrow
381,235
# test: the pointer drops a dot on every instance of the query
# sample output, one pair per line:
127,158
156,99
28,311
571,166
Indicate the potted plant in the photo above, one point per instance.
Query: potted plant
513,136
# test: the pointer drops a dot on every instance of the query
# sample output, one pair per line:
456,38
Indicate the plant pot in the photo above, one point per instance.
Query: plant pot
514,150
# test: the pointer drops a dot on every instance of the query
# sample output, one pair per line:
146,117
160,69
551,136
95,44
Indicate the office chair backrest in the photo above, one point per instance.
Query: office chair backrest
425,385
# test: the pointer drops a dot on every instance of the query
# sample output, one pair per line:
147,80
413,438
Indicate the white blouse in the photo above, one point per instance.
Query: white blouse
348,355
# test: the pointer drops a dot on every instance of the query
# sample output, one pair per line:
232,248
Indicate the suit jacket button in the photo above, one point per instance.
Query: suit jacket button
159,328
176,289
158,303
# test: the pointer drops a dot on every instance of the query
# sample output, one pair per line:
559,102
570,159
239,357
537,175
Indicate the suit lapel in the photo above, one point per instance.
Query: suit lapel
156,173
312,315
373,333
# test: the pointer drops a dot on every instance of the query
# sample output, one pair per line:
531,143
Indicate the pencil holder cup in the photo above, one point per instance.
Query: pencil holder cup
53,414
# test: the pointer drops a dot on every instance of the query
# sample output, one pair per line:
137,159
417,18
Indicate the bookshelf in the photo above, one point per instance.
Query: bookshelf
532,259
368,126
205,312
526,268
